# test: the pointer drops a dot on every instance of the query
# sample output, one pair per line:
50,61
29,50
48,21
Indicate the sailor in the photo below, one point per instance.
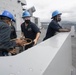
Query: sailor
54,25
13,34
29,29
6,45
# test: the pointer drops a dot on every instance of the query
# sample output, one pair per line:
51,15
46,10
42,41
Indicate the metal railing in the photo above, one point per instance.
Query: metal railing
51,57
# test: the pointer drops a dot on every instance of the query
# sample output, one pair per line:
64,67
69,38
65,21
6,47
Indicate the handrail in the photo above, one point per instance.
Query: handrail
50,57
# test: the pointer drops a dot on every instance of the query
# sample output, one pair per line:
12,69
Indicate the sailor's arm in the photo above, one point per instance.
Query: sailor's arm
64,30
37,37
22,35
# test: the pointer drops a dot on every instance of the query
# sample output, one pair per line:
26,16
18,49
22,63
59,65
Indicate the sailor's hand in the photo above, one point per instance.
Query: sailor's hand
22,37
13,51
66,29
35,41
20,42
